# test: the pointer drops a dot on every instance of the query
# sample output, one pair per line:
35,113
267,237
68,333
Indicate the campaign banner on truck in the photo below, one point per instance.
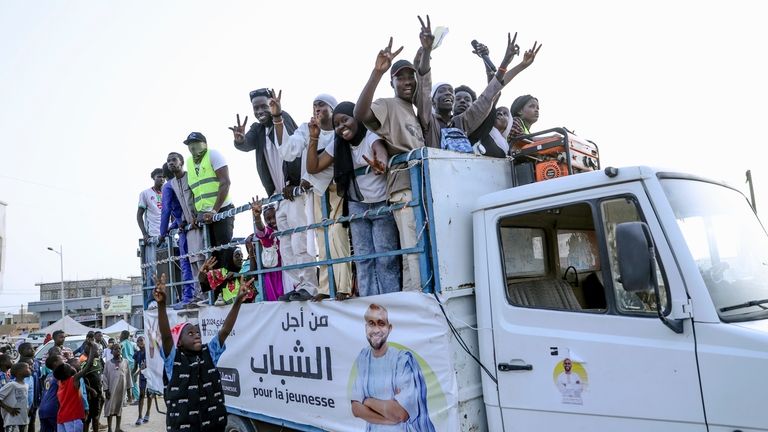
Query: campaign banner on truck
380,360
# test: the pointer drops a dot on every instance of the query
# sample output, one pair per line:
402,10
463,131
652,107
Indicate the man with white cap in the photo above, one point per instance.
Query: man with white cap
320,130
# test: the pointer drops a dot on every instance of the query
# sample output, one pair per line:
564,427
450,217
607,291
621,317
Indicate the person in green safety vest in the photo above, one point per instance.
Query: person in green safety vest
208,178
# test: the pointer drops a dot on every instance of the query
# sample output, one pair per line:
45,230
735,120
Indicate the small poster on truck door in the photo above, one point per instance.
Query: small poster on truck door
379,363
571,380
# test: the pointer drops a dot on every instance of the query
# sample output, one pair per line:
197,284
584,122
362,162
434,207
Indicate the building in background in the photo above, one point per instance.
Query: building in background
94,302
2,243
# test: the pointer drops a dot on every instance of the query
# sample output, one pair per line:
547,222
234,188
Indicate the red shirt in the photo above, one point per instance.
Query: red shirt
70,402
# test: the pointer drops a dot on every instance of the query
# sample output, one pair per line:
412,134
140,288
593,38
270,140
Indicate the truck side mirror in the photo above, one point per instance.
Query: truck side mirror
637,264
634,247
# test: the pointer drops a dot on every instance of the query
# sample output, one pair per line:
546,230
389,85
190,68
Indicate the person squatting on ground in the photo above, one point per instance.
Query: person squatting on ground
193,391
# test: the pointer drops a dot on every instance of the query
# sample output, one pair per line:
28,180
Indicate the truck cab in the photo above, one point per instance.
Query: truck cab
575,347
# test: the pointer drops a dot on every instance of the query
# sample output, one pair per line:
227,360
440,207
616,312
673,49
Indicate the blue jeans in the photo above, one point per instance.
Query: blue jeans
374,234
188,289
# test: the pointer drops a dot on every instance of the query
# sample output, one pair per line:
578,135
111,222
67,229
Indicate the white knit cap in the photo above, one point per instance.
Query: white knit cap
328,99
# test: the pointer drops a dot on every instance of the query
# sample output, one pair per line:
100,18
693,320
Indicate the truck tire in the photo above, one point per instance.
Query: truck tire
239,424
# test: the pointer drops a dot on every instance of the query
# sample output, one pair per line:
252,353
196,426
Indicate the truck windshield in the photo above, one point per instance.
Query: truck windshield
728,243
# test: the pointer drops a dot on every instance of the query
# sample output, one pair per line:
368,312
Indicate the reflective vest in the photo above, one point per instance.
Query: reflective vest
204,184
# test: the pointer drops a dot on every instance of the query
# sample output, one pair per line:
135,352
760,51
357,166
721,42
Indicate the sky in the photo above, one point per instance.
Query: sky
93,96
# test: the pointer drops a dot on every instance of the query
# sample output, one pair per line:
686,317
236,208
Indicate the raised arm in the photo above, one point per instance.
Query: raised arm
528,59
363,112
256,209
246,289
423,98
276,110
92,353
160,294
316,162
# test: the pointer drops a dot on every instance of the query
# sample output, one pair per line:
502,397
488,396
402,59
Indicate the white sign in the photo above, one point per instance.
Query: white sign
334,365
116,305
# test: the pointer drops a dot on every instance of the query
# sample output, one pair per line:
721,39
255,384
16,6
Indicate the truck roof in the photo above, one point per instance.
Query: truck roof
588,180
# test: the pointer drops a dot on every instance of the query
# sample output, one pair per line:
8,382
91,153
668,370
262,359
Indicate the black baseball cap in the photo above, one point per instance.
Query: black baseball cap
260,92
400,65
195,136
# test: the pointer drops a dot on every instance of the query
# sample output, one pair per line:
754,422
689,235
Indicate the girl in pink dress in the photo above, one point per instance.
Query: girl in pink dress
273,282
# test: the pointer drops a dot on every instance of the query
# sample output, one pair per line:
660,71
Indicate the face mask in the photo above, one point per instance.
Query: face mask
197,148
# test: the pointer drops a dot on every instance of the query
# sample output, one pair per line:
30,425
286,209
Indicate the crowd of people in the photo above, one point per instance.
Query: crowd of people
68,390
313,165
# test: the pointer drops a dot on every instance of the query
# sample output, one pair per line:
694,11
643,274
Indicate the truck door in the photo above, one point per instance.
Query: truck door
582,353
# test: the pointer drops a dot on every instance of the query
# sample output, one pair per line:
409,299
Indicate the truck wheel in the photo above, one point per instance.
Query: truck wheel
239,424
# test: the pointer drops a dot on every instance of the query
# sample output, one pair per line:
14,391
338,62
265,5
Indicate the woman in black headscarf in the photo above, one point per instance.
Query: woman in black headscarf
356,147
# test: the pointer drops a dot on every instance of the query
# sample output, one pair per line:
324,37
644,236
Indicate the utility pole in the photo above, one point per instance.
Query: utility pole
60,252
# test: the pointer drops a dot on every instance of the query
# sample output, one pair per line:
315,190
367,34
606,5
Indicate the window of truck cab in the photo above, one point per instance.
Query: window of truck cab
727,243
564,258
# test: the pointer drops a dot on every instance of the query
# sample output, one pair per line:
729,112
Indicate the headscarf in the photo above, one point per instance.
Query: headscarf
176,332
343,165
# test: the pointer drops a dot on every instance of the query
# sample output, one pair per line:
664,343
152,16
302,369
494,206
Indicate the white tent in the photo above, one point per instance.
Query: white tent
118,327
69,325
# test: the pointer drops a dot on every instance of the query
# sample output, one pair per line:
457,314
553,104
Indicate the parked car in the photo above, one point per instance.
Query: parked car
72,342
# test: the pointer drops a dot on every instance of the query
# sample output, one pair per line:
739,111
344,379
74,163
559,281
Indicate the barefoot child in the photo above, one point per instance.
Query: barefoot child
193,385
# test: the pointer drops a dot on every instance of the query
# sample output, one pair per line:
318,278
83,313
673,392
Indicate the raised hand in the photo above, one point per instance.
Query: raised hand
274,103
513,49
256,207
160,293
314,129
530,55
239,129
481,49
249,245
425,36
208,265
384,59
247,291
378,167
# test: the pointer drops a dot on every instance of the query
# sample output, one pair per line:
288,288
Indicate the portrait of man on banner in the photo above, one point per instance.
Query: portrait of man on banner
390,392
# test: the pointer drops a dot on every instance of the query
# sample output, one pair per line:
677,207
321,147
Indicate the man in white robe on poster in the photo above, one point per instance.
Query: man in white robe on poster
389,393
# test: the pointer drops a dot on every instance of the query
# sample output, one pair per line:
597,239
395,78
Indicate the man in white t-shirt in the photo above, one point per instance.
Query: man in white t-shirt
148,218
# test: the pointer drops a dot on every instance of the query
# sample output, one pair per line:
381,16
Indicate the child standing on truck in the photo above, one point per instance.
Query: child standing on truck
193,389
270,256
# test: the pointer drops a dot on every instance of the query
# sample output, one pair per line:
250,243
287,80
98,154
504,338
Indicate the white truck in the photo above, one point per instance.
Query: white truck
626,299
